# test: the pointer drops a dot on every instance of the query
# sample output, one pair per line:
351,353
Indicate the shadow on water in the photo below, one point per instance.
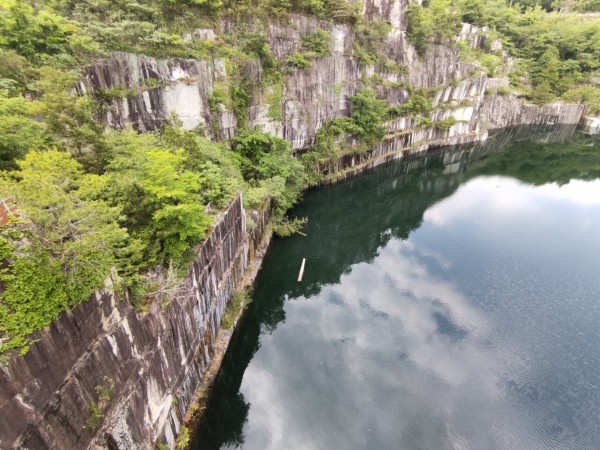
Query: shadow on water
347,227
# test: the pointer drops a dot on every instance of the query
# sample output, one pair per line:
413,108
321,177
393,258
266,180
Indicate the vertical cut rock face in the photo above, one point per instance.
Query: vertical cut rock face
592,125
155,88
139,370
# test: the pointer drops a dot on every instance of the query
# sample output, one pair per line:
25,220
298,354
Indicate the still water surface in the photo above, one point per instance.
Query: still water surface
448,302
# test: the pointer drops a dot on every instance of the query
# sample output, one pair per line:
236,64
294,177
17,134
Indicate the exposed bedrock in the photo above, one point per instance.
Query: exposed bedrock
104,374
155,88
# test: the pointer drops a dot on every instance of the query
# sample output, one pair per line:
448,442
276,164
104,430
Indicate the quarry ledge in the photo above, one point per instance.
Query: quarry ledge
196,410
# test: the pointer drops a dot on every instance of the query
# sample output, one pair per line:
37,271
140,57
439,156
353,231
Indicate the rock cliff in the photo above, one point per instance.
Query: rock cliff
461,90
106,376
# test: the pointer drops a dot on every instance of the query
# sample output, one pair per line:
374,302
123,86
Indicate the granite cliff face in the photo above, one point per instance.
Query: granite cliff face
106,376
311,96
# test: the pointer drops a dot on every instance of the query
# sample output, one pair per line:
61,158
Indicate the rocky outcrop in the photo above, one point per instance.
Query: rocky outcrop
151,89
591,125
481,115
104,375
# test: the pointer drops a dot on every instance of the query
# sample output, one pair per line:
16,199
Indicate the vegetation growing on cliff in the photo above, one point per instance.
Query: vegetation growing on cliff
557,48
148,207
90,199
439,19
364,128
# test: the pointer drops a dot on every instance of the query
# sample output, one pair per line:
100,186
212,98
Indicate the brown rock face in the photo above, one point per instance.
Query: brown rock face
105,375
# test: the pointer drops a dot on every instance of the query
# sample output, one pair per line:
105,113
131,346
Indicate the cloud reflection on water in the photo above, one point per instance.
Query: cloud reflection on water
506,199
479,331
378,371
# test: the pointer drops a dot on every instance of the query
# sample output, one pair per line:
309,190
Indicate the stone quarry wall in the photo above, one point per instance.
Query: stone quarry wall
310,97
592,125
139,370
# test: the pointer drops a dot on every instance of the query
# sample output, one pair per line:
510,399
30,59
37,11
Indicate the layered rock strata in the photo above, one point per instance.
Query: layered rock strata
104,375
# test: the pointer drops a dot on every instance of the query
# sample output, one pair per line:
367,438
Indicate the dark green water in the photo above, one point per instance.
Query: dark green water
448,302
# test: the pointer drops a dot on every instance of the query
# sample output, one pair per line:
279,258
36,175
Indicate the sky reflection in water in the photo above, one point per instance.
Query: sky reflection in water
478,331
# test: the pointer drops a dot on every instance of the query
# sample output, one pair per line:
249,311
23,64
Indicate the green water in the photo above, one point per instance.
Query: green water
450,301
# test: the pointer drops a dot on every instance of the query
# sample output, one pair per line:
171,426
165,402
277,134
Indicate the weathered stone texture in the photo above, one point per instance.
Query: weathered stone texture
592,125
312,96
148,365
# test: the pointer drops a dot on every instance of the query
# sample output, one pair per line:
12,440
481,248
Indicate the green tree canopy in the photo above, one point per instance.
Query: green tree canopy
159,196
19,132
33,33
368,113
68,249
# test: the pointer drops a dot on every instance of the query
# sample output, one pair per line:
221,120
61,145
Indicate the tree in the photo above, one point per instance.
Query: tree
12,78
446,18
71,120
368,113
80,229
33,33
62,247
32,283
473,11
179,220
268,164
160,197
589,95
260,152
419,27
18,131
317,43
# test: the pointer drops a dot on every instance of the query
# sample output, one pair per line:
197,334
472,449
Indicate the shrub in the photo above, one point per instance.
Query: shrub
317,43
419,28
418,103
270,168
445,124
368,113
298,61
215,99
590,95
95,416
183,440
439,19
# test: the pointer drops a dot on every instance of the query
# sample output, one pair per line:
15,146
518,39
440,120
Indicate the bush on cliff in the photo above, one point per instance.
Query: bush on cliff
590,95
439,19
270,169
62,249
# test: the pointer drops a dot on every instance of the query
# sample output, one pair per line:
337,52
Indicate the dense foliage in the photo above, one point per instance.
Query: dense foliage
558,49
115,206
439,19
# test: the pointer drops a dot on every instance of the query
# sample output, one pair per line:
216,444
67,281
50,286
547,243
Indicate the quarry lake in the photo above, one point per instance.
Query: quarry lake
450,301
